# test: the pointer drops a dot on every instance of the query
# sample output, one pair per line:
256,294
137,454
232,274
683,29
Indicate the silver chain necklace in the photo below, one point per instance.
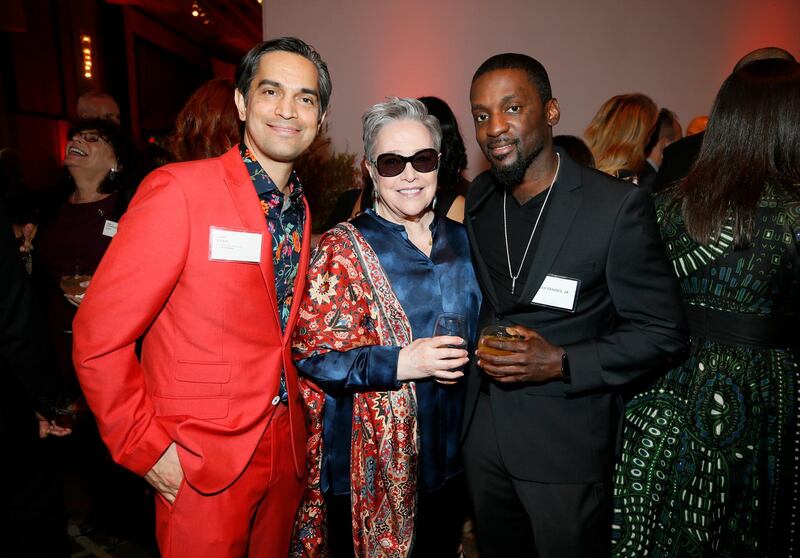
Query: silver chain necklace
514,276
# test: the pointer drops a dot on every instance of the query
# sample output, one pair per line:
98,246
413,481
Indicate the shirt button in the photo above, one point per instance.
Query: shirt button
276,400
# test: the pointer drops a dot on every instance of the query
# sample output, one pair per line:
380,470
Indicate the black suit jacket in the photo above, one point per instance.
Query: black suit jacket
628,321
29,382
678,159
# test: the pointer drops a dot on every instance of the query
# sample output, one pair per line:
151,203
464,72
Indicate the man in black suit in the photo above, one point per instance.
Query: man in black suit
666,131
32,512
571,260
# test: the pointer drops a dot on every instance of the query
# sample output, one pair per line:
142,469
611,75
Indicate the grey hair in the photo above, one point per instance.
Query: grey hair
394,109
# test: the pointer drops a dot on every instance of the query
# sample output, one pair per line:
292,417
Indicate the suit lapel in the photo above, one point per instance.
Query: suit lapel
245,199
481,271
565,199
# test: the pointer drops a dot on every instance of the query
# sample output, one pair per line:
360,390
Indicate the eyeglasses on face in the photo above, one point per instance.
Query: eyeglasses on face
89,136
392,164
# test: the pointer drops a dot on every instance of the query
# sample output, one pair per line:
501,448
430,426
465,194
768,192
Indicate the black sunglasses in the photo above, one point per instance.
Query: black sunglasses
392,164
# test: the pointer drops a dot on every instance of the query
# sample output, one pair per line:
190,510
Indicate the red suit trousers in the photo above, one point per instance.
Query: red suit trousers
253,517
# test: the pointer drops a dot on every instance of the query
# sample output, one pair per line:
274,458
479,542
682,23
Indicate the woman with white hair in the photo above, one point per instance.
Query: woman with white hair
385,395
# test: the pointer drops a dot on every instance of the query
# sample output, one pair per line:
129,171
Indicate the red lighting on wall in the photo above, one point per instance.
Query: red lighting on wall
86,51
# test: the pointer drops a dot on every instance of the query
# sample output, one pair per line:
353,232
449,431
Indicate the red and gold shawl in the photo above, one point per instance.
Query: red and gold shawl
350,304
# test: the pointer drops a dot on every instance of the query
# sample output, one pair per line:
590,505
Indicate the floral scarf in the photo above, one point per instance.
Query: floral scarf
350,304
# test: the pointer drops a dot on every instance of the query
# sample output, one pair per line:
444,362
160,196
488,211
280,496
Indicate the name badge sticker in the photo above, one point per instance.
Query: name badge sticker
558,292
226,245
110,228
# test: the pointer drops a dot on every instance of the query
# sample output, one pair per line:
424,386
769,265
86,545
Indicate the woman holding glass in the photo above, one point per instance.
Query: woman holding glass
385,397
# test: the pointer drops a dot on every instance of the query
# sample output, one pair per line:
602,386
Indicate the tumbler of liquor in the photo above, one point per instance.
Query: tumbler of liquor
496,333
67,410
71,282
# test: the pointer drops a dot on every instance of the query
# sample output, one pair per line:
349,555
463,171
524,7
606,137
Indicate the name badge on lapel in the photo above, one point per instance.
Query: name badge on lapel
110,228
226,245
558,292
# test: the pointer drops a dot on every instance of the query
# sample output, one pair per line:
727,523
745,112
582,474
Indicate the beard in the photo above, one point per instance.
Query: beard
512,174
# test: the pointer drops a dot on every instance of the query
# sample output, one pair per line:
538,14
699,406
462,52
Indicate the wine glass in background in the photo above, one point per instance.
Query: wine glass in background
448,323
71,282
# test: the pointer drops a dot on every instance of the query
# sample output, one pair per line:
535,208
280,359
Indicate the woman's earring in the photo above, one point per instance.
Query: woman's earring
112,174
433,205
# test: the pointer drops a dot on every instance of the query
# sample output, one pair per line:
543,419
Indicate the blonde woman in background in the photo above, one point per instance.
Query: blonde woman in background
618,133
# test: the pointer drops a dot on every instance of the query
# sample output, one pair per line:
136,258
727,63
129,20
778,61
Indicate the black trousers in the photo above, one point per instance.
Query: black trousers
518,518
32,511
440,517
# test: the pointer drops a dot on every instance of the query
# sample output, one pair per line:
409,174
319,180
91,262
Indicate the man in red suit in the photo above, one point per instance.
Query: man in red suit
208,266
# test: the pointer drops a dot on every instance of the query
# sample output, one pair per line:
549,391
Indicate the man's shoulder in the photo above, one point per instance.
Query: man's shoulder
479,187
599,186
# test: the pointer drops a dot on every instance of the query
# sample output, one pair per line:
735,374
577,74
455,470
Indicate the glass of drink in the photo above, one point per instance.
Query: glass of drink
67,410
448,323
496,333
71,282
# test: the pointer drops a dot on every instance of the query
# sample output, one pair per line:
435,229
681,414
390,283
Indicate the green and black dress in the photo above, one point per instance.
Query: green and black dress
711,454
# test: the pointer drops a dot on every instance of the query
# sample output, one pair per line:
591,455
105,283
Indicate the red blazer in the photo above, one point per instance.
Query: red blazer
212,350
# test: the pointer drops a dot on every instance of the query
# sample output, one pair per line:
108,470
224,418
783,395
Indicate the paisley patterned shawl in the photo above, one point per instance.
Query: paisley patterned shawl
350,304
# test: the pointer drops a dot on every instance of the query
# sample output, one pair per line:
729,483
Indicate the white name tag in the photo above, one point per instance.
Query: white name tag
558,292
225,245
110,228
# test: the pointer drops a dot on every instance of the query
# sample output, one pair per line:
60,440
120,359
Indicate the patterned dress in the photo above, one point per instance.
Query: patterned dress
711,453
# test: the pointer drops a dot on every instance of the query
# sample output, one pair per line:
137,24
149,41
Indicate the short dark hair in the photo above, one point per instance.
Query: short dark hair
514,61
128,173
664,128
249,64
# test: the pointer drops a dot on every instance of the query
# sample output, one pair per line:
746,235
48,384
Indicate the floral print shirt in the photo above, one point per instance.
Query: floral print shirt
285,220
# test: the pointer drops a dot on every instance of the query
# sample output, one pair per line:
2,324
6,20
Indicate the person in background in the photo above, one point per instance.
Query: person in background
710,459
32,512
618,133
679,156
207,269
697,125
666,131
576,148
452,185
78,222
96,104
385,390
208,124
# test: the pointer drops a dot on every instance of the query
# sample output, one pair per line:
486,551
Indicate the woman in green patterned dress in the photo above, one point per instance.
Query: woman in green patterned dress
711,450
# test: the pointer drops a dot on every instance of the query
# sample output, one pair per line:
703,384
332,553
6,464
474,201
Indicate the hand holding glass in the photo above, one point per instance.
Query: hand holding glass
496,333
71,283
451,324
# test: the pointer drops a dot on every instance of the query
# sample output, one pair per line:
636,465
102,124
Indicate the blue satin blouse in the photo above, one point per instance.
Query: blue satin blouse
425,287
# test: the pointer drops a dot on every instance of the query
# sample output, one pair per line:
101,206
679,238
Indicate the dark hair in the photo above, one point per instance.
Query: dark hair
128,174
576,148
513,61
208,125
765,53
752,140
249,64
664,128
454,154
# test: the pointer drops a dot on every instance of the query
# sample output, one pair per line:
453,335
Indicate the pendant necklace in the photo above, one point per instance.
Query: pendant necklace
514,276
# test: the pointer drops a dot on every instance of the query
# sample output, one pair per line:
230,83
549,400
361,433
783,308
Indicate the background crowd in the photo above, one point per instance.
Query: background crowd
709,456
